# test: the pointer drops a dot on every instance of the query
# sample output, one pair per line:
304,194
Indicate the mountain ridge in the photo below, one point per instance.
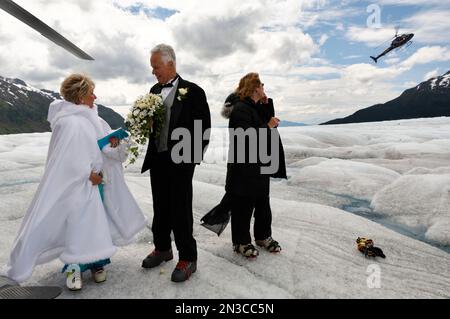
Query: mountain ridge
24,108
430,98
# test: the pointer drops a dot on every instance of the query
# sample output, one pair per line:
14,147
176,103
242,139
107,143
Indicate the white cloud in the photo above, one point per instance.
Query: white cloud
357,86
426,55
412,2
431,74
219,32
392,60
216,44
323,39
371,36
408,85
316,101
365,74
119,42
431,26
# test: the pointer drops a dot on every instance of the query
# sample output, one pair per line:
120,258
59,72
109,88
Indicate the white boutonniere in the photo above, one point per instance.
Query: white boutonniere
182,93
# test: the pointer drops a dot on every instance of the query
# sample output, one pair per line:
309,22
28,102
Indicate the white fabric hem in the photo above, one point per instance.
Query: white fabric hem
87,259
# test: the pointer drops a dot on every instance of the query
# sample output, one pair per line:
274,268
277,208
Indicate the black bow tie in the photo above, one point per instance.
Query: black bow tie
167,85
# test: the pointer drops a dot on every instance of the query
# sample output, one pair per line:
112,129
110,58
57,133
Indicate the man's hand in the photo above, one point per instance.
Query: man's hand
114,141
95,178
274,122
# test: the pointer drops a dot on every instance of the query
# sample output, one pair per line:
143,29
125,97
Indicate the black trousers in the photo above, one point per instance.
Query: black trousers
241,215
172,206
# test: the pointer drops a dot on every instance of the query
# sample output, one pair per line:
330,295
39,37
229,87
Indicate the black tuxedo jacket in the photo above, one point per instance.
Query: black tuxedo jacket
185,110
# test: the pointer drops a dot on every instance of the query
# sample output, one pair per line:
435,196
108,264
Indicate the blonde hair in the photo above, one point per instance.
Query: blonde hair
75,87
247,85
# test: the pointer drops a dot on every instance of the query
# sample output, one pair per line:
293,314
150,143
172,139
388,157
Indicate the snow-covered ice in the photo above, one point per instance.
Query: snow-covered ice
399,169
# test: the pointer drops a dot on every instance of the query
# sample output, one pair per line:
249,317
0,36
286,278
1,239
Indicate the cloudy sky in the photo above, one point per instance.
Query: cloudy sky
313,55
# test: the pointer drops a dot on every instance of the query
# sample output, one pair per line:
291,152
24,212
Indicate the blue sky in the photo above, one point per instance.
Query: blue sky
340,50
313,55
156,12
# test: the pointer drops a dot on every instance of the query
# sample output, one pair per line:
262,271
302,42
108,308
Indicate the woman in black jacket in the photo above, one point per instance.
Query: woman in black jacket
246,186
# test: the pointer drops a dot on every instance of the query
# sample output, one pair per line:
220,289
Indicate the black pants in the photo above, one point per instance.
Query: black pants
241,215
172,206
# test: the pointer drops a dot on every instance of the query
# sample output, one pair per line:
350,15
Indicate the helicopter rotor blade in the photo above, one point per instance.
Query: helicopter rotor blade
383,43
20,13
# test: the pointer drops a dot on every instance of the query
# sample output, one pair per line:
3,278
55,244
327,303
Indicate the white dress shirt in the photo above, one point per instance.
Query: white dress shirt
166,91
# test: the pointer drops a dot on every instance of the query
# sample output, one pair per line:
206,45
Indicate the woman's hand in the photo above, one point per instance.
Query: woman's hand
114,141
274,122
95,178
264,99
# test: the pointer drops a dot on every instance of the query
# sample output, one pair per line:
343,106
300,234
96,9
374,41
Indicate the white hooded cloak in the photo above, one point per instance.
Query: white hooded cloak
125,217
66,217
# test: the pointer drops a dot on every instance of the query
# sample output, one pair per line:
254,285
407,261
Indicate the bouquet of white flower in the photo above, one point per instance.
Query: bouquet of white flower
146,114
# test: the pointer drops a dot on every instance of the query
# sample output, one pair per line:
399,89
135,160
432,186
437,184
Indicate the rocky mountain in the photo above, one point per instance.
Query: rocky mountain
23,108
428,99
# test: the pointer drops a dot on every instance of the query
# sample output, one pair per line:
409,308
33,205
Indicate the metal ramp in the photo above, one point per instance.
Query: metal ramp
10,289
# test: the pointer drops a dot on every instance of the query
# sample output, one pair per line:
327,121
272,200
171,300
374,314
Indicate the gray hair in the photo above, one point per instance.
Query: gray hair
166,51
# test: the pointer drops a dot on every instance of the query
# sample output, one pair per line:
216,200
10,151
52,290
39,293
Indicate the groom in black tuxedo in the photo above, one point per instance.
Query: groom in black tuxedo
186,108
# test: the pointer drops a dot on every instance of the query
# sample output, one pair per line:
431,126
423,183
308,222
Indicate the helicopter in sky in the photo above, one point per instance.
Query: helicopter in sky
399,41
23,15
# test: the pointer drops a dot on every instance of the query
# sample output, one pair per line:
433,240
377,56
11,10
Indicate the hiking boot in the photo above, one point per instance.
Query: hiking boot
184,270
247,250
99,275
73,280
156,258
270,244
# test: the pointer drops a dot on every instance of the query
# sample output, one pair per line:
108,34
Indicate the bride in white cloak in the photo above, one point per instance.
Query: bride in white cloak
67,218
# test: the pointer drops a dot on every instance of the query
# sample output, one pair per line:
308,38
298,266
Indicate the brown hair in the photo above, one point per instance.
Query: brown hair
247,85
75,87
